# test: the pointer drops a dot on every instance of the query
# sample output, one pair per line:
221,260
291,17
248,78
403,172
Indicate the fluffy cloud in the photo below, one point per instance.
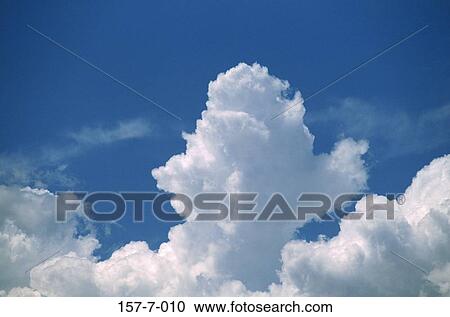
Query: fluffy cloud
366,257
441,278
236,147
29,234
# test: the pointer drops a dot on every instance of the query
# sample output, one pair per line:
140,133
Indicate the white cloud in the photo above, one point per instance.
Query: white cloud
22,292
441,277
124,130
236,147
29,234
363,259
67,275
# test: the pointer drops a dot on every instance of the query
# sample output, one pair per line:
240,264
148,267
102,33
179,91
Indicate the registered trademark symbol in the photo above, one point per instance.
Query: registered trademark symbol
401,199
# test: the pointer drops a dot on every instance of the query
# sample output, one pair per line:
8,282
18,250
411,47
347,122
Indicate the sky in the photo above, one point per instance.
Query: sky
81,115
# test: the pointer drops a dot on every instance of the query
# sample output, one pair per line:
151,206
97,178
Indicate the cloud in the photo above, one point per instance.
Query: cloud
393,132
362,260
18,169
124,130
29,233
236,147
49,165
232,149
21,292
441,277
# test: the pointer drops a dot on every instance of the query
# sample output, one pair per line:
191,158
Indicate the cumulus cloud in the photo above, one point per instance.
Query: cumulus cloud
364,259
441,278
29,234
234,148
237,148
22,292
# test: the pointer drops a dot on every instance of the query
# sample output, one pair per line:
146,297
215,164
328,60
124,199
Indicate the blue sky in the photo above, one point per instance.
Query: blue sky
170,51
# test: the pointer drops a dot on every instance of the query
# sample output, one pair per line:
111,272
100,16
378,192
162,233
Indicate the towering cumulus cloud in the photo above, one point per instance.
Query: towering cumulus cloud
371,257
236,147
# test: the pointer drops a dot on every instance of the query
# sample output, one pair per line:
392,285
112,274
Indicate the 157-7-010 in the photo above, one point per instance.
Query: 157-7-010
163,306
